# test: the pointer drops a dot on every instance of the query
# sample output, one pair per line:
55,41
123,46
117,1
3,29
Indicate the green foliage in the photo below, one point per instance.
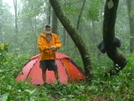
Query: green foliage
3,50
93,9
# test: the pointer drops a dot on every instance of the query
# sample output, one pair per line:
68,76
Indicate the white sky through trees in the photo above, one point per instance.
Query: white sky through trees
10,3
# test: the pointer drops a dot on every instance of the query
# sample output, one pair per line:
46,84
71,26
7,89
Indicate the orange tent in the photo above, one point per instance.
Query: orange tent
68,71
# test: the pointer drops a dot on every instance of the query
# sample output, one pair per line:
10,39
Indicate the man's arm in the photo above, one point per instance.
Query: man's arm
58,42
41,45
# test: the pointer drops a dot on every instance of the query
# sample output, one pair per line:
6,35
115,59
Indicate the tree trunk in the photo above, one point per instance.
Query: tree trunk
74,34
16,24
131,23
54,23
117,57
64,37
48,15
78,23
16,15
1,35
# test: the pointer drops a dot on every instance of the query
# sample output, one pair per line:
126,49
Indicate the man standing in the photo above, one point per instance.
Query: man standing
48,43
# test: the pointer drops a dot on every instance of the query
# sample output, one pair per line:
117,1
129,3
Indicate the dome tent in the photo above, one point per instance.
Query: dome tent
68,71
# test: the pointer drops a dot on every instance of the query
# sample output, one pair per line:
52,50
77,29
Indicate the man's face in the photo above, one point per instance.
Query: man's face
48,30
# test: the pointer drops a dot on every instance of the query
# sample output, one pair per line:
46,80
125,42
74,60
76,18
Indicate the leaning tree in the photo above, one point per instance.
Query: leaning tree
74,34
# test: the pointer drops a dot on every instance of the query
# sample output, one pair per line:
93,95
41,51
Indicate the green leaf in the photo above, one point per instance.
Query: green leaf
1,70
29,91
4,97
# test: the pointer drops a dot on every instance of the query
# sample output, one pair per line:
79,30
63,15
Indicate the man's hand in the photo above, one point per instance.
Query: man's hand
53,48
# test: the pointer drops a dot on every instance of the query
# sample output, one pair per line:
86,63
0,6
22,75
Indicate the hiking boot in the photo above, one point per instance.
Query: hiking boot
45,83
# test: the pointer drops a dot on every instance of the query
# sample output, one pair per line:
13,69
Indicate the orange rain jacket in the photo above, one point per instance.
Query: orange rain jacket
44,45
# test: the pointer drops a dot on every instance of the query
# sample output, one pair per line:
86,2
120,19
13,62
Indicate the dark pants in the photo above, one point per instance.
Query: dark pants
48,64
